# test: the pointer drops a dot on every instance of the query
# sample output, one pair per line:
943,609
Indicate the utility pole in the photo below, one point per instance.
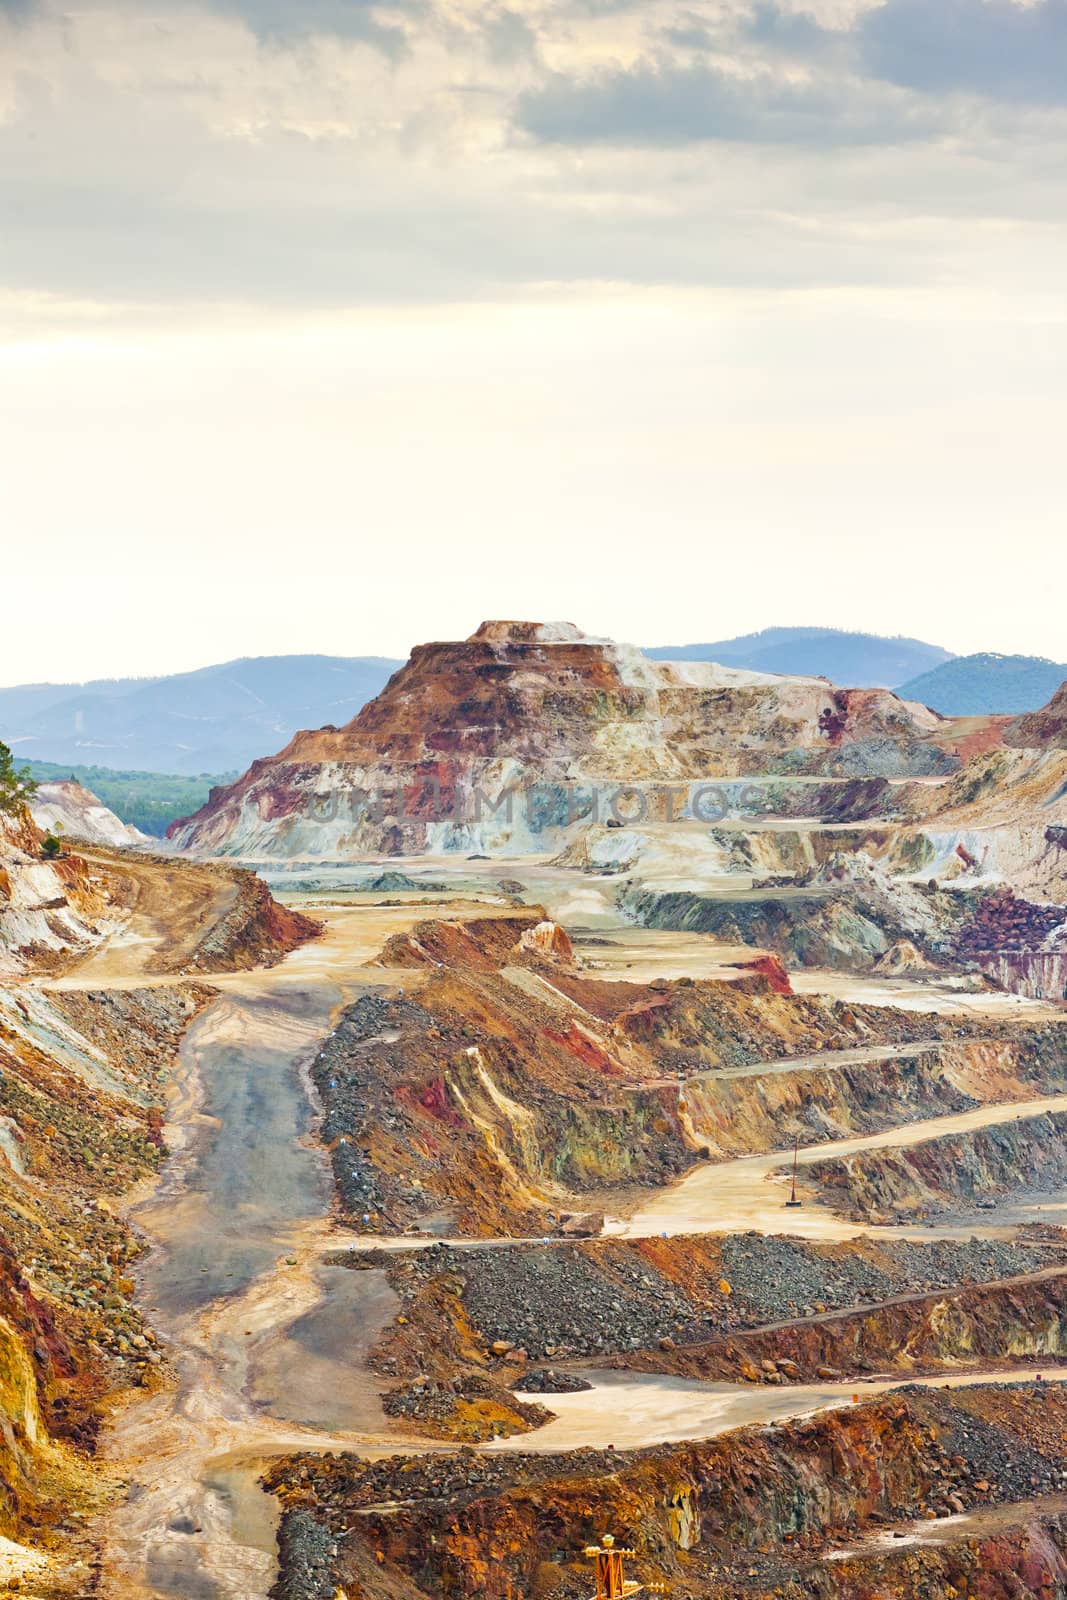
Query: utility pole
793,1201
611,1583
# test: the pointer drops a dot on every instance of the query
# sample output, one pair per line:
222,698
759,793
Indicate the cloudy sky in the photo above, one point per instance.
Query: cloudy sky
329,324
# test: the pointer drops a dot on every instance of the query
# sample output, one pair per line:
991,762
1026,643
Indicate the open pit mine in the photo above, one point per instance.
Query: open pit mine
590,1124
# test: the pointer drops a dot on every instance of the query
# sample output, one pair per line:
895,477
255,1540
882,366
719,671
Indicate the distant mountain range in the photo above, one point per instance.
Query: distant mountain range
219,719
855,660
214,720
973,685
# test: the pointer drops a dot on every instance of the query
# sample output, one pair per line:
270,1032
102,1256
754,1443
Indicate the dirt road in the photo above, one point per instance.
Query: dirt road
750,1193
631,1410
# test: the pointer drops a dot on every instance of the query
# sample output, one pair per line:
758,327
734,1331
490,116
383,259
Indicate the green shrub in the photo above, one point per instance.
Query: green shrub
16,785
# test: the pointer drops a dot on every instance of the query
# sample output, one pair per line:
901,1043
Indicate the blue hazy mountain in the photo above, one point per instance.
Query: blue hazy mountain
855,660
217,719
971,685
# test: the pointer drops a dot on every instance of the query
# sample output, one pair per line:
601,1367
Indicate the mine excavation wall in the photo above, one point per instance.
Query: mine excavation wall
588,1298
982,1324
819,927
794,851
24,1324
423,1119
219,918
465,1527
256,932
578,1144
1028,1156
1035,974
766,1111
851,923
481,1099
700,1025
1027,1557
51,911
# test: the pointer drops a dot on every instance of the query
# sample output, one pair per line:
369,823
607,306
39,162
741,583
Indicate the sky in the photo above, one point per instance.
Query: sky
335,325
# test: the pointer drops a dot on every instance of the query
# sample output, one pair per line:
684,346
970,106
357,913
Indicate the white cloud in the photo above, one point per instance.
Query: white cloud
744,322
169,152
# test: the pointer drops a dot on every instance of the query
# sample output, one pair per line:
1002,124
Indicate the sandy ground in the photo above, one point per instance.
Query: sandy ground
750,1193
922,994
169,908
18,1561
631,1410
989,1520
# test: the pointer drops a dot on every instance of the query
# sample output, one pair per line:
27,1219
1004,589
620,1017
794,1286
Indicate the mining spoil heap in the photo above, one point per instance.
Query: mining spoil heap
542,706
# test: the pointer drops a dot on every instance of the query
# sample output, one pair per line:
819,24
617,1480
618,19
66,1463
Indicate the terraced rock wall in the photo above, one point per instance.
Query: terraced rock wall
750,1513
949,1173
701,1293
767,1111
513,1085
536,709
981,1325
848,919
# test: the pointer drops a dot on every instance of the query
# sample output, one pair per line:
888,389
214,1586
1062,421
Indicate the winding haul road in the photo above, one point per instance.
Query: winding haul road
268,1342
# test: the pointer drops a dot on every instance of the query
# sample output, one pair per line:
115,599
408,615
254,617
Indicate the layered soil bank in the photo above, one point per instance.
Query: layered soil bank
756,1511
82,1077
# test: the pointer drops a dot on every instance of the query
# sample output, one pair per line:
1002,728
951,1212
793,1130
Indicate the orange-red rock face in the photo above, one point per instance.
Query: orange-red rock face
80,1088
1042,730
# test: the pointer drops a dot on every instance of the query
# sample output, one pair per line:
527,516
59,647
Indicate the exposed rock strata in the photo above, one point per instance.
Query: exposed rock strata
508,1082
80,1120
528,707
69,810
949,1173
750,1513
51,911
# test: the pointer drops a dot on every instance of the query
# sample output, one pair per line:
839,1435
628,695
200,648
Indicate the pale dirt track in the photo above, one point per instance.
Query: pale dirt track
169,910
194,1521
632,1410
750,1193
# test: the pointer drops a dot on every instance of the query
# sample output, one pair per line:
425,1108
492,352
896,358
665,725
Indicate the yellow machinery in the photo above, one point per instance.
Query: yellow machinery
611,1583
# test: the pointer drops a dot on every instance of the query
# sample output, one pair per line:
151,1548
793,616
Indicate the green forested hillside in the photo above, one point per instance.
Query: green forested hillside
987,683
150,800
